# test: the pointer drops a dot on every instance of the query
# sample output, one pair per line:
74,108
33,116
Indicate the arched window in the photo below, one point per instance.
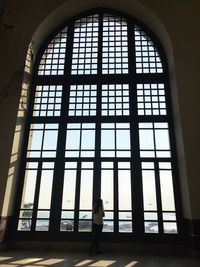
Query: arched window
99,125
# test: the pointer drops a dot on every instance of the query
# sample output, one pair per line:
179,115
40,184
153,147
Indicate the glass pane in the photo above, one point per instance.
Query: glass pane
35,140
125,215
29,189
48,165
123,165
43,214
169,216
108,226
107,188
107,165
31,165
26,214
107,139
85,215
71,165
69,188
108,215
24,225
149,190
45,189
124,180
147,165
50,140
125,227
85,226
123,139
146,139
151,216
73,139
162,139
87,165
170,228
67,225
42,225
167,192
86,189
67,214
151,227
88,139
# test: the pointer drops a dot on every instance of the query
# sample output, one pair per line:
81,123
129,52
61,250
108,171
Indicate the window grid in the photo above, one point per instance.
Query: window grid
154,140
82,100
150,198
88,132
147,57
85,46
115,45
42,141
53,58
80,140
47,100
115,140
151,99
115,100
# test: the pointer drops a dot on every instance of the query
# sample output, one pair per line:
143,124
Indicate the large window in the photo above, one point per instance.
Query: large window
100,125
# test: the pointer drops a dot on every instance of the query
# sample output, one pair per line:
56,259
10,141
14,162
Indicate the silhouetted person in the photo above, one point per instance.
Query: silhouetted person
98,214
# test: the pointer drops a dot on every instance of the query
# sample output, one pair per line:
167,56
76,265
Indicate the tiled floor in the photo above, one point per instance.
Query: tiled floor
39,258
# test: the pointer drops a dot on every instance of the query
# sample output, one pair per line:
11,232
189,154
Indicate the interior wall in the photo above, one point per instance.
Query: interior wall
176,25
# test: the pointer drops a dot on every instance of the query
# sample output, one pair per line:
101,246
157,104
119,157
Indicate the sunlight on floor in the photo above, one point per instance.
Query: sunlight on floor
4,258
102,263
27,260
84,262
131,264
35,262
50,262
42,262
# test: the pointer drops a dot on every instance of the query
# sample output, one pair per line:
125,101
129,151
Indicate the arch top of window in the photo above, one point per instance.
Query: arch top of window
101,43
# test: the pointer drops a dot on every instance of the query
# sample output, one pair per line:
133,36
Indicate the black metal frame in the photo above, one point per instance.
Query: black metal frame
132,78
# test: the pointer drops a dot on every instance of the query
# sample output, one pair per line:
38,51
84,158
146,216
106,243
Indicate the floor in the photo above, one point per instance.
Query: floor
39,258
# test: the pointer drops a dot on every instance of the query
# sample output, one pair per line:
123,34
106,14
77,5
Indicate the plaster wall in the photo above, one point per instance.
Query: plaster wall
176,24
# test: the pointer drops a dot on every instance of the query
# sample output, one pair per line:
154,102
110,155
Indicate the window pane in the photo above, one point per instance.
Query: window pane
42,225
149,190
125,226
162,139
124,180
52,61
107,139
35,140
107,188
123,139
69,189
146,139
151,227
50,140
45,189
73,139
147,57
86,189
167,192
170,228
29,189
108,226
88,139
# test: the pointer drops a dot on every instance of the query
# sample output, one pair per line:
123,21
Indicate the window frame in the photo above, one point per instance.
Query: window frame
132,78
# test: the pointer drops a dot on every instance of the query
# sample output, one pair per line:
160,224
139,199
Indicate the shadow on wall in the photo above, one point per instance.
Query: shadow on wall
10,189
